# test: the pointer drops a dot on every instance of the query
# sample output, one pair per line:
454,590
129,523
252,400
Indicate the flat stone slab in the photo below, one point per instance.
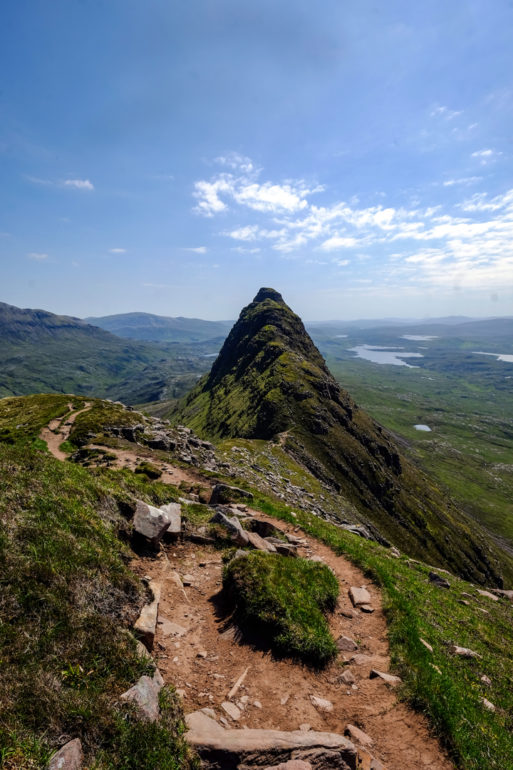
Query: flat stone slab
359,596
488,594
346,644
168,628
211,739
463,652
258,543
69,757
146,623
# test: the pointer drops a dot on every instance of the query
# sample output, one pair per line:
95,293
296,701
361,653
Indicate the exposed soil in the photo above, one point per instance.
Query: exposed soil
58,430
193,621
202,655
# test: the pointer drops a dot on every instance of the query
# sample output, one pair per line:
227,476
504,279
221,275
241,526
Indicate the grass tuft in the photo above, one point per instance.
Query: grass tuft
286,601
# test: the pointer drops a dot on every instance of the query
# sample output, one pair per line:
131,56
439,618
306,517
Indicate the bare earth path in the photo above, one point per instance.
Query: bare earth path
199,653
58,431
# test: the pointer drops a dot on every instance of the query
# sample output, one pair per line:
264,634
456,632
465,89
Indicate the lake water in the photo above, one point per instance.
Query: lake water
423,427
506,357
417,337
379,355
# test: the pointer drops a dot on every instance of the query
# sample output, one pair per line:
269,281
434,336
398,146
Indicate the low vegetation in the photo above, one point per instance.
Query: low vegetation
445,687
285,602
67,599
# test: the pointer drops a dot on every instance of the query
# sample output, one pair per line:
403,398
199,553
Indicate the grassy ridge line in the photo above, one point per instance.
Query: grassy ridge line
67,597
415,609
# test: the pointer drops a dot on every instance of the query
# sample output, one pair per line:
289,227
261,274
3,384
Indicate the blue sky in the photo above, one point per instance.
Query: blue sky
173,157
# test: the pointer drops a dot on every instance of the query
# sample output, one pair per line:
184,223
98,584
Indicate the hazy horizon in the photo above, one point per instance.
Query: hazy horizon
175,157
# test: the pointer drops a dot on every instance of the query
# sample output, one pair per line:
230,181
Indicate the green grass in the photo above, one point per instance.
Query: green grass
475,737
285,600
66,600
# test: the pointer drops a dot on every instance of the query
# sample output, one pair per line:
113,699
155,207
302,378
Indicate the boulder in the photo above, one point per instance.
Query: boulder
223,494
359,596
173,512
502,592
232,749
358,530
438,580
145,696
259,544
152,523
69,757
239,535
146,623
232,710
347,677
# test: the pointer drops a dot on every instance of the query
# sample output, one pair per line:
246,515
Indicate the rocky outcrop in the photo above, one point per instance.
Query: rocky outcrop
222,494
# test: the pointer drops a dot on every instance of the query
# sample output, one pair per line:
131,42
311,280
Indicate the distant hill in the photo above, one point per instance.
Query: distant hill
44,352
270,382
145,326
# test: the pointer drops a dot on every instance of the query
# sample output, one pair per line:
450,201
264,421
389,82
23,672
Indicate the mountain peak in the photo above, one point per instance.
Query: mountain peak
268,293
270,380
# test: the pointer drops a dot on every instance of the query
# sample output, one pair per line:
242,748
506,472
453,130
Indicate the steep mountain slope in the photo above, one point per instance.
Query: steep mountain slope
41,351
146,326
270,379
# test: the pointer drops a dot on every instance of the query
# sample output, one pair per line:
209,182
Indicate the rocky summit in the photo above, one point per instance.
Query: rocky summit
270,382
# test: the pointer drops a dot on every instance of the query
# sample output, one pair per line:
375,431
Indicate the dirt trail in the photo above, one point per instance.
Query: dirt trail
129,458
58,431
198,652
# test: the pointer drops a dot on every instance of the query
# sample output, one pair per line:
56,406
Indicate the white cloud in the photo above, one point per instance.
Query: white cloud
38,256
79,184
466,180
117,251
486,156
243,250
248,233
197,249
336,242
441,111
236,162
74,184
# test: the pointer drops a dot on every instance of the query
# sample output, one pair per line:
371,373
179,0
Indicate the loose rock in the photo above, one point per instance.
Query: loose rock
346,644
69,757
358,736
321,703
359,596
388,678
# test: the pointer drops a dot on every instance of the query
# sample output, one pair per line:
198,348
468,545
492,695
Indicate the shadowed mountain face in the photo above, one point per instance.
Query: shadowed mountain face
270,379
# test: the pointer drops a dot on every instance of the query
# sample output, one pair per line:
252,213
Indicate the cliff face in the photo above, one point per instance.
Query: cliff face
270,379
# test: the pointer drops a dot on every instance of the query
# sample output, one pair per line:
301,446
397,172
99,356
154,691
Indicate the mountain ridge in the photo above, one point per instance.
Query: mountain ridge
270,379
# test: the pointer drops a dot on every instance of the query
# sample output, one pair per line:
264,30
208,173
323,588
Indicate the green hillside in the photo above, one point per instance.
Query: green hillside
270,379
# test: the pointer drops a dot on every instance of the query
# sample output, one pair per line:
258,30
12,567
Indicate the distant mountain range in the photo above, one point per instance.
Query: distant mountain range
145,326
41,352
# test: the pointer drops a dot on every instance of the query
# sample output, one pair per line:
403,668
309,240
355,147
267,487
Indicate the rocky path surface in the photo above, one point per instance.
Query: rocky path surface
58,430
199,651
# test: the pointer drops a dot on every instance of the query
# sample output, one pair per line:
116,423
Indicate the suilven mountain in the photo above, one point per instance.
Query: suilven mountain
270,382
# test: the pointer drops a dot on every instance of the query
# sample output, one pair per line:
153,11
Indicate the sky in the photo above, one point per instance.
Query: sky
173,157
